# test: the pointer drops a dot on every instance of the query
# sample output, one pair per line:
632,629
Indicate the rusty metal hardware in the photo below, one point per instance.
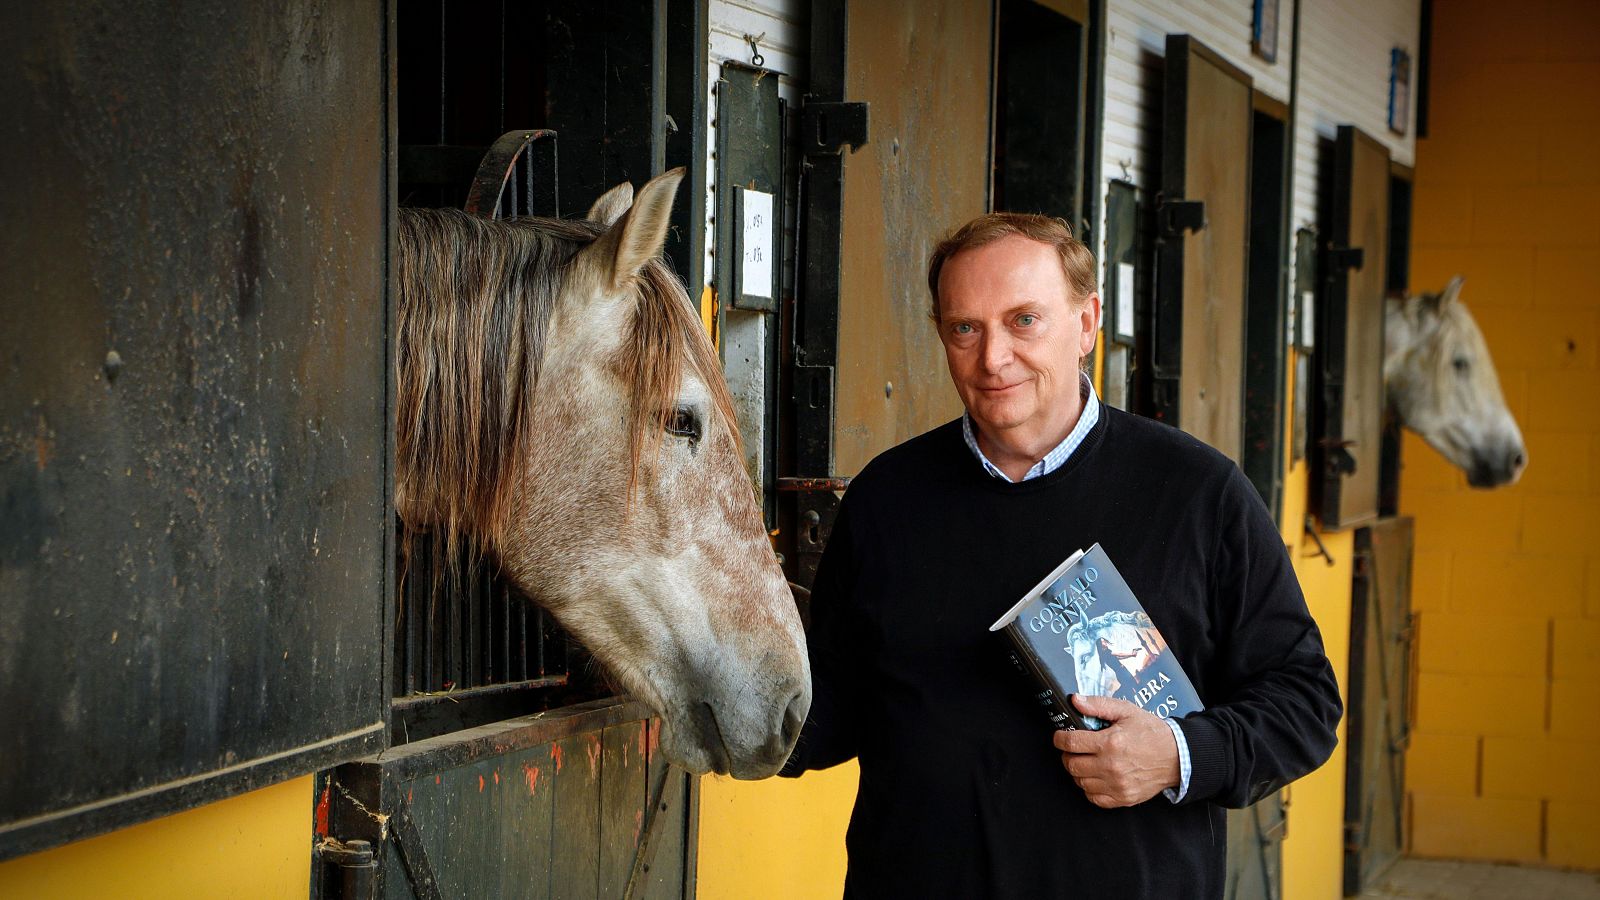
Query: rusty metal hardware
1174,217
1340,258
826,127
496,170
357,863
1322,549
827,483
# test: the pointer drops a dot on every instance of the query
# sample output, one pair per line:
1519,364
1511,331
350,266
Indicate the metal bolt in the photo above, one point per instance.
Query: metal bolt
888,389
113,365
894,146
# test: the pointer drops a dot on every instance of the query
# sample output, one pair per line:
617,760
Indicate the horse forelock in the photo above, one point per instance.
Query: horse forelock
664,337
1456,332
476,298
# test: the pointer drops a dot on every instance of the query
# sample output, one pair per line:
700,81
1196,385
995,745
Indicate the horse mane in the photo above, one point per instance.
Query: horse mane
475,299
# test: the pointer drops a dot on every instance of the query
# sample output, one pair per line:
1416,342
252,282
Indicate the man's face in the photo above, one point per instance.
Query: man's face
1014,338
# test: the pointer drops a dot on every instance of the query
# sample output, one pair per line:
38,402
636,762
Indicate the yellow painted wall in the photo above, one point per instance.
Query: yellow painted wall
1507,582
253,845
775,838
1313,847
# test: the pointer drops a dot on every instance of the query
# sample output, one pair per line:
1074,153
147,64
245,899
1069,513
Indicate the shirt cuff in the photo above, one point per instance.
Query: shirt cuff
1184,768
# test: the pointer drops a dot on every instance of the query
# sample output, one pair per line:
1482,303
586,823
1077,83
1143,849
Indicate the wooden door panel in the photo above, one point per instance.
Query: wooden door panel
1378,723
1350,347
1200,316
924,172
1210,401
194,563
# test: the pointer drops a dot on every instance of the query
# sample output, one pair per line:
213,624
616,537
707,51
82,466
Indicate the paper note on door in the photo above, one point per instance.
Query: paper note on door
755,275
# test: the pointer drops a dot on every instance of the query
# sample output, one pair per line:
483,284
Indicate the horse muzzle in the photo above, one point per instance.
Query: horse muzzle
747,730
1496,469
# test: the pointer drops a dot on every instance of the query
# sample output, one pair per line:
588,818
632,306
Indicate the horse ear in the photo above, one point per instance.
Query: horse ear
639,235
612,204
1451,291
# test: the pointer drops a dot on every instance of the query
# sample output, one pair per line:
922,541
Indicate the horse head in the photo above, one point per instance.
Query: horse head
561,405
1442,384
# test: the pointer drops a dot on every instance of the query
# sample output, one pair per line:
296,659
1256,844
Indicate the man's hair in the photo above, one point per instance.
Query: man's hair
1077,263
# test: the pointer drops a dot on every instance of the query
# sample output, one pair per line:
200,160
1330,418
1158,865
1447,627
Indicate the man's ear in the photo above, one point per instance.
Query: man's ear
1090,321
612,204
638,236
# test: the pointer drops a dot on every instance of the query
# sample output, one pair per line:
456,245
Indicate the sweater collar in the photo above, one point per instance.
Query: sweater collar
1058,456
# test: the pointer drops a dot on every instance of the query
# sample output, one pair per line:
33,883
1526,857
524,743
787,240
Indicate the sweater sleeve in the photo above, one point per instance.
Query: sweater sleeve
831,734
1273,702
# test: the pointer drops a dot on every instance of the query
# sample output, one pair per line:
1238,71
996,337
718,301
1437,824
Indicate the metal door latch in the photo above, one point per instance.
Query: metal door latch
1174,217
826,127
1340,258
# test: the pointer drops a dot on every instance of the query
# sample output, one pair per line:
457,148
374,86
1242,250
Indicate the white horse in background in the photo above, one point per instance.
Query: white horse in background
1442,384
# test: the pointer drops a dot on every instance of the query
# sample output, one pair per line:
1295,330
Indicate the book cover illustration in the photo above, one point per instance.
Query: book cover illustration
1082,631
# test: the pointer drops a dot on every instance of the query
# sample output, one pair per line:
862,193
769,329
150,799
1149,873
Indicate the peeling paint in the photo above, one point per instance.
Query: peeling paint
322,812
530,774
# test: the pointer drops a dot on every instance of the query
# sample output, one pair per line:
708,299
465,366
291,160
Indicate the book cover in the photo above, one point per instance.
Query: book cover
1082,631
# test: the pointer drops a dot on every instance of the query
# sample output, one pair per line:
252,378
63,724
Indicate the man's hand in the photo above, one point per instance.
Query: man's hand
1129,761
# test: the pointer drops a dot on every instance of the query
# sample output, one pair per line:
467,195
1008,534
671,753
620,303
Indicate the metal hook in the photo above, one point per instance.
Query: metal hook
756,59
1322,549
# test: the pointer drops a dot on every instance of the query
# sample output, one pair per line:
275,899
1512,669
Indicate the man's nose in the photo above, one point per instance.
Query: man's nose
996,352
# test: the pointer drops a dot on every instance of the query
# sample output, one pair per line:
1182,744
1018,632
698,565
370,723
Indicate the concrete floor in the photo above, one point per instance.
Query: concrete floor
1427,879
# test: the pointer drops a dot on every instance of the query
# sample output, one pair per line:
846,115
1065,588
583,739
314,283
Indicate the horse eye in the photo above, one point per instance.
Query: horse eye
684,423
1462,364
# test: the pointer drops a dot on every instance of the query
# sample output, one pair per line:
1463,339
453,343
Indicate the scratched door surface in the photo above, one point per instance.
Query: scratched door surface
573,803
924,171
1200,302
194,435
1350,342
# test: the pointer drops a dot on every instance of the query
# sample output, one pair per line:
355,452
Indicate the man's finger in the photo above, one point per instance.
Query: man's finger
1108,708
1081,766
1078,741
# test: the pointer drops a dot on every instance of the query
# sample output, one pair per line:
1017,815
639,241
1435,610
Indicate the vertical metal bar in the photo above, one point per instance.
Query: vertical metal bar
542,624
512,210
480,599
519,656
527,173
443,92
502,634
430,598
486,628
502,127
407,664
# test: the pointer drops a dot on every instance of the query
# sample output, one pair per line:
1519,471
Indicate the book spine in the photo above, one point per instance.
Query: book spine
1057,702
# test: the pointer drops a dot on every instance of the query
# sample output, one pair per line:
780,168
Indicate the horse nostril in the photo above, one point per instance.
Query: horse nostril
794,719
1518,460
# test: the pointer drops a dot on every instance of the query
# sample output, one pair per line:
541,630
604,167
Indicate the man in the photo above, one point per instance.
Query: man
964,791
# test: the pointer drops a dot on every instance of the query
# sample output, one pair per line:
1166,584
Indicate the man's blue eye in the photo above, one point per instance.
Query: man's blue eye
1026,320
963,328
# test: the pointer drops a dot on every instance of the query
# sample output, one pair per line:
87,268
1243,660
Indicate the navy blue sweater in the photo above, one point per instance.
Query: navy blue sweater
962,794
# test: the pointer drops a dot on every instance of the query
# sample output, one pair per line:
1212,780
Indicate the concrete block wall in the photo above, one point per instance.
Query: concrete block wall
1506,585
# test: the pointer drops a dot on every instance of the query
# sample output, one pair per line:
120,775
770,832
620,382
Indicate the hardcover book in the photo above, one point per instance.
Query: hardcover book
1082,631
